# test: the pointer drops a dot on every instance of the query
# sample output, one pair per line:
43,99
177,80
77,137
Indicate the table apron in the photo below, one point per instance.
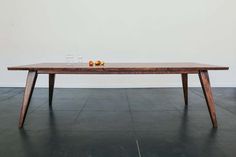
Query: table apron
118,72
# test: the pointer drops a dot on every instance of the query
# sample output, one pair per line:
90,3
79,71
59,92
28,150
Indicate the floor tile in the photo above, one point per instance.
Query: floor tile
104,121
118,123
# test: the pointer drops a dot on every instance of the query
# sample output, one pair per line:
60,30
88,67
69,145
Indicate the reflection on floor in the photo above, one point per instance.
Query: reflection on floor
118,123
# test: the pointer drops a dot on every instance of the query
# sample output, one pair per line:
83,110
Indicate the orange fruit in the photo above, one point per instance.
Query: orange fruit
102,63
98,62
91,63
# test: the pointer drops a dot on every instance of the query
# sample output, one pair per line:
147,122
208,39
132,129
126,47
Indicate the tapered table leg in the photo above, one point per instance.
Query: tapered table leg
206,86
29,88
51,87
185,87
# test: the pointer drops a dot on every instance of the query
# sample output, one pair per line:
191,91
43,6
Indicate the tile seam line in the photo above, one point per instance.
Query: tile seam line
197,93
138,147
14,95
82,109
36,108
131,114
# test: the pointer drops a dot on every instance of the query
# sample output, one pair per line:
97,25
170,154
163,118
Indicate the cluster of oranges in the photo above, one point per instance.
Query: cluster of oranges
96,63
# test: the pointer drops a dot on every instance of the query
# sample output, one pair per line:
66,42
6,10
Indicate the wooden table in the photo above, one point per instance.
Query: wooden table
119,68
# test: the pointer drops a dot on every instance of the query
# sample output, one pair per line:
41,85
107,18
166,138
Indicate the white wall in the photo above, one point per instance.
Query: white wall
118,31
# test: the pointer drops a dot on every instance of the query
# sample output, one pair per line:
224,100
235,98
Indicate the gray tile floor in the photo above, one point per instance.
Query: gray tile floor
118,123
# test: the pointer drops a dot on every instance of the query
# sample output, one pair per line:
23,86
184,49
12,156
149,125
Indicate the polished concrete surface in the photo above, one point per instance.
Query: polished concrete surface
118,123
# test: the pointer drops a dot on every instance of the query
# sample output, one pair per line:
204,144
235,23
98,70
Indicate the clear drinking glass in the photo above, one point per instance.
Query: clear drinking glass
70,59
80,59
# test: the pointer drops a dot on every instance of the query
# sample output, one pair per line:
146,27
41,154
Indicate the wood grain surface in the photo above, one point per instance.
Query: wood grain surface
119,68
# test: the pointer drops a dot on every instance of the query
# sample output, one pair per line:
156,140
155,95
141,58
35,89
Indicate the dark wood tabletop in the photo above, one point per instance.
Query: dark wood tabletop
119,68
